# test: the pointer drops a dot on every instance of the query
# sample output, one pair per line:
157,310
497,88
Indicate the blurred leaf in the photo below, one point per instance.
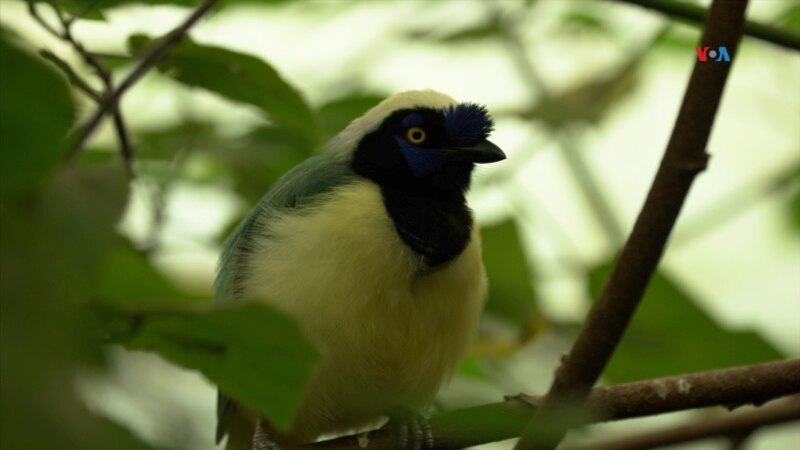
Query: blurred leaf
680,41
511,296
166,143
583,21
90,9
588,102
115,61
471,367
129,281
238,77
78,214
97,156
261,157
492,28
74,79
252,352
794,210
671,335
51,247
790,18
36,111
335,115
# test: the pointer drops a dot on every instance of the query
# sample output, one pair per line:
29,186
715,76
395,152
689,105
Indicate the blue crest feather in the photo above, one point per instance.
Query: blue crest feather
467,124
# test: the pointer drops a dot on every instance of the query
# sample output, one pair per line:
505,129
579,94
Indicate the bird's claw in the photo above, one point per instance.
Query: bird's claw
261,440
413,431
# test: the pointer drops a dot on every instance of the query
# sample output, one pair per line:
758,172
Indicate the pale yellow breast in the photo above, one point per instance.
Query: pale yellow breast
391,334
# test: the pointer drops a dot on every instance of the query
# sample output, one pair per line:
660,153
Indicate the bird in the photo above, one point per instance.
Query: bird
372,248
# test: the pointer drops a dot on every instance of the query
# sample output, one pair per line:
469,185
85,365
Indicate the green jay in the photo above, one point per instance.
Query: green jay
372,248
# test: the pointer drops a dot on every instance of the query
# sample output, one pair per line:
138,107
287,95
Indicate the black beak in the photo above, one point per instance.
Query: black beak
482,152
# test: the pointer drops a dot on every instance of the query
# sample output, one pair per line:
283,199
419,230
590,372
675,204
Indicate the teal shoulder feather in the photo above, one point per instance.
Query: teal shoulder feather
298,187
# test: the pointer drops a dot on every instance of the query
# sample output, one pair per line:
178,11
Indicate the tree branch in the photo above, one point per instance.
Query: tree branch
738,424
697,14
150,58
93,61
683,159
73,77
732,387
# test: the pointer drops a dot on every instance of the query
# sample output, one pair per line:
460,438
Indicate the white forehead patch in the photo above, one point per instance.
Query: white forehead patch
345,142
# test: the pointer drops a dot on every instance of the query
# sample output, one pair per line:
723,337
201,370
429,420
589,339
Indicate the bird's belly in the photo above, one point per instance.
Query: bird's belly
389,335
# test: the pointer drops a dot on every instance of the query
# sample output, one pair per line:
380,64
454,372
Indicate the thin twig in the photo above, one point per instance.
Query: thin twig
89,58
732,387
148,61
125,147
735,423
684,158
34,12
73,77
103,72
696,14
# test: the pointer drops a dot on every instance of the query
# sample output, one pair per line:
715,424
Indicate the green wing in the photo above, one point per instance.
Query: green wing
314,176
298,187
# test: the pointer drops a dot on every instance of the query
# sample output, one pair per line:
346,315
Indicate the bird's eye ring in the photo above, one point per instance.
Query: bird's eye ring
416,135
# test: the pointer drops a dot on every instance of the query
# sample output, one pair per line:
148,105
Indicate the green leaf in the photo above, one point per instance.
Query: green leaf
794,210
261,157
77,216
337,114
90,9
128,281
511,296
471,367
36,111
486,30
238,77
584,21
51,249
588,102
671,335
255,354
189,136
790,18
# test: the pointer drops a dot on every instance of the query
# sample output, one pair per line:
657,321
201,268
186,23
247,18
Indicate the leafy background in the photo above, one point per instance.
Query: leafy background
105,280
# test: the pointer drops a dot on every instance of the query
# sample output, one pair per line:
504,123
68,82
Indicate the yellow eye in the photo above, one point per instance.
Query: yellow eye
416,135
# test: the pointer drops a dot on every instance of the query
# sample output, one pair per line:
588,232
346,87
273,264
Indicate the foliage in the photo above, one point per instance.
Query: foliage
62,260
671,334
72,284
511,295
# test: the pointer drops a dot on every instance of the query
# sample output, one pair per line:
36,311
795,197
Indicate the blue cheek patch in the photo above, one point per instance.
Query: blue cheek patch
413,120
421,161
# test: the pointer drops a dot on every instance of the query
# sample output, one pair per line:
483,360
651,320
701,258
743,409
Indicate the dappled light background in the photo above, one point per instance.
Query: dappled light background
584,95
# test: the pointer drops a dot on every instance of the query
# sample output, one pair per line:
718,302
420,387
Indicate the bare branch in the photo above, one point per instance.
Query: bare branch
103,72
148,61
683,10
732,387
125,147
34,12
684,158
73,77
738,424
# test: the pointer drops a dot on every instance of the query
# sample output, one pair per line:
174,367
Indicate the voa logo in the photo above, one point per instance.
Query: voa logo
719,54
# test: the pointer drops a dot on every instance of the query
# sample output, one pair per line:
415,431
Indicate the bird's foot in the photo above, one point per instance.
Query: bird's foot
413,430
262,441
